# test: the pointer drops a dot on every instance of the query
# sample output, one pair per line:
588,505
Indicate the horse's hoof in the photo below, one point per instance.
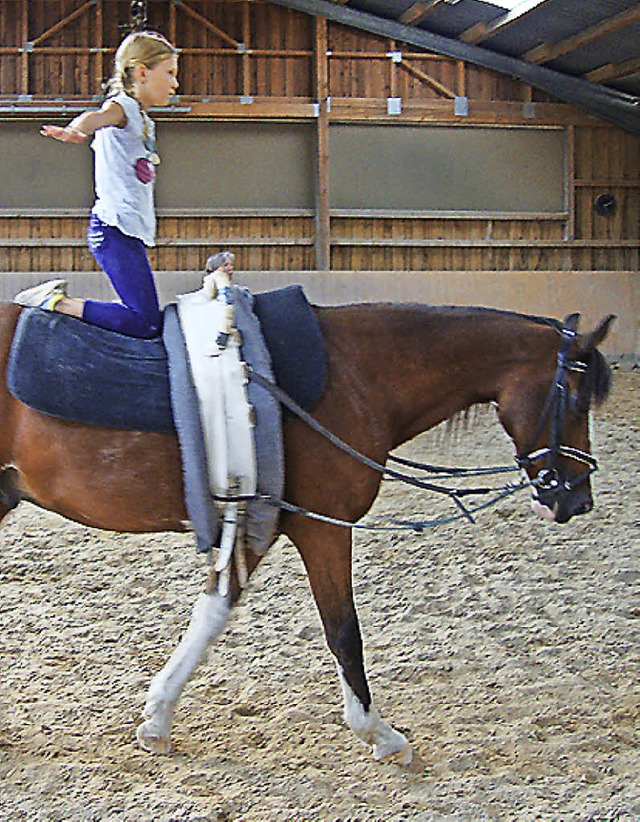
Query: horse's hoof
390,752
401,757
152,742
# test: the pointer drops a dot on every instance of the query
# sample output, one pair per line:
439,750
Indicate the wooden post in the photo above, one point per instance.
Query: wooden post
322,214
172,23
99,41
570,225
393,72
24,73
461,78
246,56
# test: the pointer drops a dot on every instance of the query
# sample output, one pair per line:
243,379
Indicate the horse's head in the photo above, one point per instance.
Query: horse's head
546,411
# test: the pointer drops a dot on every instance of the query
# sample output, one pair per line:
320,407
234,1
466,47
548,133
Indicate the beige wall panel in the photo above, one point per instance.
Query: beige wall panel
206,165
554,294
447,169
36,172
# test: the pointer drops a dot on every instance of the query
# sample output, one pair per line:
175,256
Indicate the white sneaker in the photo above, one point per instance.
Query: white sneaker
45,295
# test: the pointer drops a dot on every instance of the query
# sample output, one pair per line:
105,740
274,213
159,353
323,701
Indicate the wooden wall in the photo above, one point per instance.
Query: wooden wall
246,60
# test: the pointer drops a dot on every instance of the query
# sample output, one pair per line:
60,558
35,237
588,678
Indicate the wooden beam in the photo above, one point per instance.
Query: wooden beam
414,14
425,78
613,71
549,51
62,23
418,11
480,31
476,33
206,22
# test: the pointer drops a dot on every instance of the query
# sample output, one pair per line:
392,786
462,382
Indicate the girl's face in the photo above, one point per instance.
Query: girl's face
157,84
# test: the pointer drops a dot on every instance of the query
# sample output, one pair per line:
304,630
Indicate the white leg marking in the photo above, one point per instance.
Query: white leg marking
208,619
370,729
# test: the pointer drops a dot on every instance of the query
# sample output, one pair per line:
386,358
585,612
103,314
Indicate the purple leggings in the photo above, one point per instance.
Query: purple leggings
124,260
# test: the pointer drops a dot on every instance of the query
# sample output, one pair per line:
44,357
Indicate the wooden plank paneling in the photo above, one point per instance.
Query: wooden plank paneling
276,66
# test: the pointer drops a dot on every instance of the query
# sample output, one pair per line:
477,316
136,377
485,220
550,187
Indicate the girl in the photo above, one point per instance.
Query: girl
123,219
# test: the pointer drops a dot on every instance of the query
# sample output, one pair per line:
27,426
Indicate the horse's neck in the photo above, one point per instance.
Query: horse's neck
429,364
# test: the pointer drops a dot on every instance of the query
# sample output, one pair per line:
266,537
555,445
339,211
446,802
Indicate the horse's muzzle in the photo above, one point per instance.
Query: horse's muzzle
561,504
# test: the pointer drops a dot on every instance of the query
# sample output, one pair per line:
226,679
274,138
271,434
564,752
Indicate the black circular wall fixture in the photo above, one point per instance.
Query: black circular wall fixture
605,205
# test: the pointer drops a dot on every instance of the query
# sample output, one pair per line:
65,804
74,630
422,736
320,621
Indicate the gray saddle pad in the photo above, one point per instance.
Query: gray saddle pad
70,369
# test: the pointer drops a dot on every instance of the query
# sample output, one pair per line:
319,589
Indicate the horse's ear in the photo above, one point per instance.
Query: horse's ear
571,321
592,340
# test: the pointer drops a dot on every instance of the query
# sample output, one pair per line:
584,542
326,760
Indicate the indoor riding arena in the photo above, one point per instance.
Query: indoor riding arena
443,152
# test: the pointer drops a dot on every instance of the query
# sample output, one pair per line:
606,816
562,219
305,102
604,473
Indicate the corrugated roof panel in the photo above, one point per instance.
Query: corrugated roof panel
391,9
550,22
553,22
452,20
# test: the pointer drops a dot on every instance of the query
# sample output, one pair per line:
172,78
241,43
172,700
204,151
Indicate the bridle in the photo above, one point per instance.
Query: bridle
548,479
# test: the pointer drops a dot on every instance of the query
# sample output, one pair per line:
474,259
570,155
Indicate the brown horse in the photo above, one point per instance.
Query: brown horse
394,371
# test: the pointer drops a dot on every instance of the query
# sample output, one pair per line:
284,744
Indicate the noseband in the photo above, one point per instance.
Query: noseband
548,480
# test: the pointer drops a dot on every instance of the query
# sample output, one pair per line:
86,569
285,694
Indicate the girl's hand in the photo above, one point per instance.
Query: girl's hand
64,134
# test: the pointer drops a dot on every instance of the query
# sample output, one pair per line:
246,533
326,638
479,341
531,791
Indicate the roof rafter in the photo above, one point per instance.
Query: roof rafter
418,11
549,51
614,71
612,105
475,34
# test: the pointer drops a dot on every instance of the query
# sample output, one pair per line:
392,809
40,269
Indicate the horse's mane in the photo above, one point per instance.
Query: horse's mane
501,312
460,423
596,381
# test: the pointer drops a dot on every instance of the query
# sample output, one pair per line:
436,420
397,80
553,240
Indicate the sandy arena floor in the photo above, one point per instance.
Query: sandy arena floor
506,651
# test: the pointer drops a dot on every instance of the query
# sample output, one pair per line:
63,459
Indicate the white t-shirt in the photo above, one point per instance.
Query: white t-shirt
122,200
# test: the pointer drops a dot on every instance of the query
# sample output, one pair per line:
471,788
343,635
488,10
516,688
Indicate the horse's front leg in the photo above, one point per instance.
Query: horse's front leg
326,552
208,619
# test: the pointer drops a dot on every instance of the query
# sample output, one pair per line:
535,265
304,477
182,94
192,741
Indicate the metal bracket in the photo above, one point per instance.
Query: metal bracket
394,105
461,106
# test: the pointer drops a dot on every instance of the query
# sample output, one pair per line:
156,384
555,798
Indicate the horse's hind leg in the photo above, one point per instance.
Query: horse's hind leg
326,552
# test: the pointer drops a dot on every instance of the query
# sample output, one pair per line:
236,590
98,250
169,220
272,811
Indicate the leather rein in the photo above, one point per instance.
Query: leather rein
454,494
548,479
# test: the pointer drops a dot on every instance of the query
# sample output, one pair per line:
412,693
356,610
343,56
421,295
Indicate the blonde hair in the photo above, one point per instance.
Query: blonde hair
147,48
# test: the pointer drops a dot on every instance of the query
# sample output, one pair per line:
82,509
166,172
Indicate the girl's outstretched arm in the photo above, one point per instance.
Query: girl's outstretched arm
87,123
